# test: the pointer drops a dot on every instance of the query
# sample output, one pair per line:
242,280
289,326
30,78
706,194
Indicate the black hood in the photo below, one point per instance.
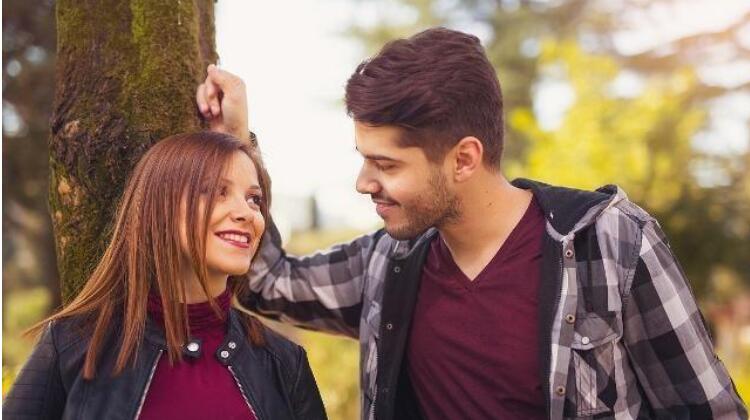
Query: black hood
564,207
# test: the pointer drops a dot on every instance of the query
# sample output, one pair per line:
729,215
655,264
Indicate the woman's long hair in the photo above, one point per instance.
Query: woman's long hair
167,185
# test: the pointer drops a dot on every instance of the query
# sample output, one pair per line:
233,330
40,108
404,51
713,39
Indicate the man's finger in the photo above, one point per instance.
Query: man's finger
200,99
223,78
212,97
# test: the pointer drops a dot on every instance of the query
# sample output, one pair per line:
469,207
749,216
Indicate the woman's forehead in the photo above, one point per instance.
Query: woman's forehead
240,169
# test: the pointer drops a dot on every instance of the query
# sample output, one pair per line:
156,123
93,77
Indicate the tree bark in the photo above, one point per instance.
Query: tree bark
125,78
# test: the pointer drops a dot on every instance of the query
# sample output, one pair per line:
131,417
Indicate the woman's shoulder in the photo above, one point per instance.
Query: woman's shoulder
278,346
290,356
278,343
72,332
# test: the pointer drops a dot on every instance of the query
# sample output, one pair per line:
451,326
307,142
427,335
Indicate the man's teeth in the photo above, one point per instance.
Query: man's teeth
233,237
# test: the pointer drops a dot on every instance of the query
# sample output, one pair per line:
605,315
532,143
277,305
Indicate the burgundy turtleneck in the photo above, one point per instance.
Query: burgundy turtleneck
196,388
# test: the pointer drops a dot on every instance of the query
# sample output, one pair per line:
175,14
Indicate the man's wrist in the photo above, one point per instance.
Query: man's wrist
241,133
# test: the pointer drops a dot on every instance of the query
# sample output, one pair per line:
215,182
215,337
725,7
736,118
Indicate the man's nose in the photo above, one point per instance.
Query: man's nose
367,184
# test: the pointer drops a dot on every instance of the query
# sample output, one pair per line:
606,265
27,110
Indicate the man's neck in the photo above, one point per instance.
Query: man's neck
490,210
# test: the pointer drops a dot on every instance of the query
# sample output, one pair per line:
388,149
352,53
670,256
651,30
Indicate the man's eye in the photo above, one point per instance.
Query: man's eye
383,167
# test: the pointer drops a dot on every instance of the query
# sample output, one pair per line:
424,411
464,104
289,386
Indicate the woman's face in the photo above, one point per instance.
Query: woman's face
236,224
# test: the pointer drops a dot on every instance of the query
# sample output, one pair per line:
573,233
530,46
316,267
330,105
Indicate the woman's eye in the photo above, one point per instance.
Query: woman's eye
255,200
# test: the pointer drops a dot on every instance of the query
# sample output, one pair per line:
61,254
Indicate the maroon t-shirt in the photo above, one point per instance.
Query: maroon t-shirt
201,388
473,350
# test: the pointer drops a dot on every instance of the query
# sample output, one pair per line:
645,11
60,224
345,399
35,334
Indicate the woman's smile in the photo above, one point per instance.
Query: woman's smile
235,238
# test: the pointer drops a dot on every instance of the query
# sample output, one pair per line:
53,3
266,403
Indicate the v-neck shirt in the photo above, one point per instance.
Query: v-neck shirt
473,346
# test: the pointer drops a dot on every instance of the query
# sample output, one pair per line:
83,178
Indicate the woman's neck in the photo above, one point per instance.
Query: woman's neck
216,285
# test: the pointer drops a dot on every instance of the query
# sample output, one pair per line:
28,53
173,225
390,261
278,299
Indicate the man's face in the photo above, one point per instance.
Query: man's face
411,194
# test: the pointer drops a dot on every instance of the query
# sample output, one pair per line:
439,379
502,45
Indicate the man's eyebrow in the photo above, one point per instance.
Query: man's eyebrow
380,157
376,157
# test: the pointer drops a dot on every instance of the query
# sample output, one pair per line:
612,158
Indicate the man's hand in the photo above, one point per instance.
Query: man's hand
222,101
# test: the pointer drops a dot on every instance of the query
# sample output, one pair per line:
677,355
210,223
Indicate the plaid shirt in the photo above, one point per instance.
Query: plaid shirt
626,338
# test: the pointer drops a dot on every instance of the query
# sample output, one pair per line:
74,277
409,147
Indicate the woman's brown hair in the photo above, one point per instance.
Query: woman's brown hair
144,253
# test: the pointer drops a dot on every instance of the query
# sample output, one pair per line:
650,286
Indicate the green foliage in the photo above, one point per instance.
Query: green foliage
741,379
23,309
638,143
335,363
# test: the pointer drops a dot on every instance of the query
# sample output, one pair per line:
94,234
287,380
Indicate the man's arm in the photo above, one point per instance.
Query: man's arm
323,291
668,344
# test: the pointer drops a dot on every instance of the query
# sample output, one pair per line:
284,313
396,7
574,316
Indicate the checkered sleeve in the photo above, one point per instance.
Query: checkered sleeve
322,291
667,341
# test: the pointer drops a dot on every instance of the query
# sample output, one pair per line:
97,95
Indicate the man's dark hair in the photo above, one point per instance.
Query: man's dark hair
439,86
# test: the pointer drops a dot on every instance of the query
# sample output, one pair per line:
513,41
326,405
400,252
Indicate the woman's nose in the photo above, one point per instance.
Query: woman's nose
241,211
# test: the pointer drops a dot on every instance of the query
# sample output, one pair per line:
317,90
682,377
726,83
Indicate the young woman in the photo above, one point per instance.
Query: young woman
152,334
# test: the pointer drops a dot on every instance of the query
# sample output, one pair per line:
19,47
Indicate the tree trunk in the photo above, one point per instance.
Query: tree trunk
126,74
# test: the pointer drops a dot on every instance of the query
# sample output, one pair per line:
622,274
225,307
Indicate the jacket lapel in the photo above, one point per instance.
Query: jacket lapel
399,300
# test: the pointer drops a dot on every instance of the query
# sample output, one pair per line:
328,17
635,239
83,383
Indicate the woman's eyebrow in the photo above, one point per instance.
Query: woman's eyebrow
251,187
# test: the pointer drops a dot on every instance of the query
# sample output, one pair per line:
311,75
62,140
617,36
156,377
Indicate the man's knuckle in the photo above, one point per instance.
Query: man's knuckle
236,82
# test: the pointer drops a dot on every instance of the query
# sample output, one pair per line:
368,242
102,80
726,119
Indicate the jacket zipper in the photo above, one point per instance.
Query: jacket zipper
242,391
148,384
375,399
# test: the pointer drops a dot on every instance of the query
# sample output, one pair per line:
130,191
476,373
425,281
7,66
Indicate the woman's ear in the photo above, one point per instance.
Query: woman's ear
467,158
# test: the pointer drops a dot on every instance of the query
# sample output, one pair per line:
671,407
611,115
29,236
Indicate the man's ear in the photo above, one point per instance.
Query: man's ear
467,158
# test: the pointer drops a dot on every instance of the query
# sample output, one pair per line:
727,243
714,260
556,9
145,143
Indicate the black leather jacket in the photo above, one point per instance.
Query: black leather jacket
275,379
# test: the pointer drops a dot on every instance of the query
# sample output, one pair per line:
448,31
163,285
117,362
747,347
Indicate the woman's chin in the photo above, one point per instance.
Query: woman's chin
236,269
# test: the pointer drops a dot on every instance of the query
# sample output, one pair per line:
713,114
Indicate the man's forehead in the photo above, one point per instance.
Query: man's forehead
385,130
370,140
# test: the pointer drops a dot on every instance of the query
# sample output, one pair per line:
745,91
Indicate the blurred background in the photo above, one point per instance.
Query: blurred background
653,95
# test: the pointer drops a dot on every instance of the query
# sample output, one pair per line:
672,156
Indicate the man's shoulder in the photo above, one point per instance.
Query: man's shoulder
567,208
631,210
623,219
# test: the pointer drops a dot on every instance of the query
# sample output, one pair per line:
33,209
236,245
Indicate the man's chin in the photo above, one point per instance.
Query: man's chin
403,233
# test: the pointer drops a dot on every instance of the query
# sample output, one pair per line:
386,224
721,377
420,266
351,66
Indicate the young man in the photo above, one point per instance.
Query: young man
483,298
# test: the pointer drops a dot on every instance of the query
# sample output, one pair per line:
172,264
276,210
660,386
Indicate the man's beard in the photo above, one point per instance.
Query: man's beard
437,206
